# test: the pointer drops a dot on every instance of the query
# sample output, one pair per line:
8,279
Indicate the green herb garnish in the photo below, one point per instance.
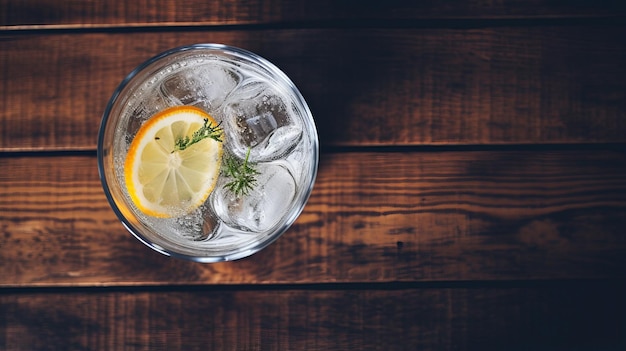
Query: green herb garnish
208,130
243,175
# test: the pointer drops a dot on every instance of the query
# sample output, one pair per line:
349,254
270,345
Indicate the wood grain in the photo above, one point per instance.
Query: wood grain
437,221
555,317
372,217
51,13
479,86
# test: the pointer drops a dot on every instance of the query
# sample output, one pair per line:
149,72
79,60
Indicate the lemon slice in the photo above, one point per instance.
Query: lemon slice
163,181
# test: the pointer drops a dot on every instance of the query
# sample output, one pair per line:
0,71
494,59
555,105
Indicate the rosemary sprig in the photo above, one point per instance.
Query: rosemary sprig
243,175
208,130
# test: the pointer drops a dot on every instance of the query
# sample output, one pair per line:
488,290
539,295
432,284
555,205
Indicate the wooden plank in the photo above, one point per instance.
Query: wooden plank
585,316
51,13
419,86
415,216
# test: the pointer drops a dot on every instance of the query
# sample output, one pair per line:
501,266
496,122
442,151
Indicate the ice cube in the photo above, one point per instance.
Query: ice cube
262,119
140,107
261,208
205,86
194,226
145,103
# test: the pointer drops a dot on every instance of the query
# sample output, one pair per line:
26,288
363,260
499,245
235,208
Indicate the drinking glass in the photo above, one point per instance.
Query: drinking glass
263,117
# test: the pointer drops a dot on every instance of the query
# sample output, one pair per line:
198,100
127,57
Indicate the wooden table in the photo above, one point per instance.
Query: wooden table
471,192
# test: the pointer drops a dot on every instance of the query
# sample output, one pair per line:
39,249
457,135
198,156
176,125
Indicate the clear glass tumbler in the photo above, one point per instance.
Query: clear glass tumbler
265,122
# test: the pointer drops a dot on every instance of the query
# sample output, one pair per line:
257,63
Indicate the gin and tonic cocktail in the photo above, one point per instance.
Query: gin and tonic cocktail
207,152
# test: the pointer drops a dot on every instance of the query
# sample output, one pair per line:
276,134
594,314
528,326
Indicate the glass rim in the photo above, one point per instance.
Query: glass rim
299,203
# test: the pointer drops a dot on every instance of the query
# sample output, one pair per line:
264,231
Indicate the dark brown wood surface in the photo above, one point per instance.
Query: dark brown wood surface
503,85
471,193
53,13
540,316
433,216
